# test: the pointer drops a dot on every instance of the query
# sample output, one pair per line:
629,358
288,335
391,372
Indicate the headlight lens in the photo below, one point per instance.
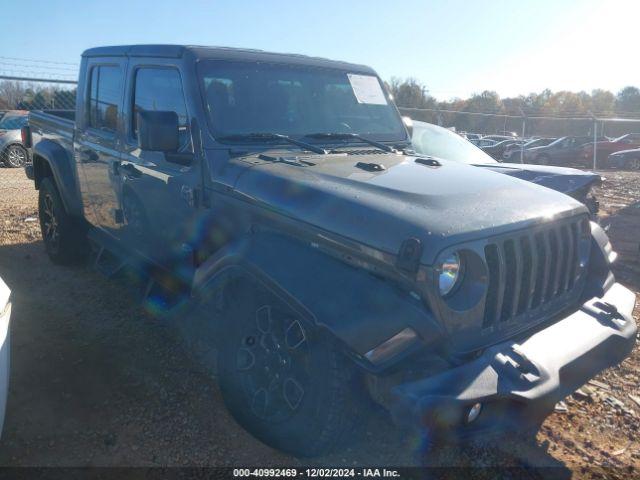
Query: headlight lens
450,271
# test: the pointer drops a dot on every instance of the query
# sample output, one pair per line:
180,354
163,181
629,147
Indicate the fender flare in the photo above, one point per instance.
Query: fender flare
356,307
63,170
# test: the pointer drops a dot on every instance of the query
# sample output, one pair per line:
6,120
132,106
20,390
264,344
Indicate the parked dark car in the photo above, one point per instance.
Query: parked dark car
472,136
497,151
483,142
438,142
563,151
498,138
512,152
311,258
624,159
605,147
12,152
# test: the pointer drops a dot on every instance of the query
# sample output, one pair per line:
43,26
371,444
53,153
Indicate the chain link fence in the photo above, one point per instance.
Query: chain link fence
18,96
591,129
21,94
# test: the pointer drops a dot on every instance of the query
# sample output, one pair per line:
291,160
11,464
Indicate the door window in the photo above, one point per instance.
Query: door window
105,90
160,89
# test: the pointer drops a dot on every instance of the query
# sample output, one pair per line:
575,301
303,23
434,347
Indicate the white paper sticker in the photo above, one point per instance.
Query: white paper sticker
367,89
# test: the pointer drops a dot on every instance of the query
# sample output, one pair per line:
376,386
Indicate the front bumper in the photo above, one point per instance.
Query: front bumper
518,383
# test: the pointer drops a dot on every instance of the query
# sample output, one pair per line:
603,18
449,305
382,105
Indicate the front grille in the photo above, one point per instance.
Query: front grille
528,270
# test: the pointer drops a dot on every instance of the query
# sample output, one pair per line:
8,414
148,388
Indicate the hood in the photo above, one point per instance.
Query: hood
536,149
624,152
565,180
442,206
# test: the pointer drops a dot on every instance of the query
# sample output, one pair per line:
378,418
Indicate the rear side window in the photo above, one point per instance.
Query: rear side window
105,91
160,89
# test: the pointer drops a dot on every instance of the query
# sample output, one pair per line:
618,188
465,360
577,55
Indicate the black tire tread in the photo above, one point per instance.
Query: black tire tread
331,431
73,245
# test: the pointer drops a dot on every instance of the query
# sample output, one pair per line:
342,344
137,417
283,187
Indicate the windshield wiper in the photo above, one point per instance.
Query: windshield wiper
350,136
266,136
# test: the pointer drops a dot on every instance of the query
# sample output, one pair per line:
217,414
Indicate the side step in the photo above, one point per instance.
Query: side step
162,293
107,263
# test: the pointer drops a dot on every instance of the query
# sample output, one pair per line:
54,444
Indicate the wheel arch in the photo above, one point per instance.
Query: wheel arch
359,309
51,160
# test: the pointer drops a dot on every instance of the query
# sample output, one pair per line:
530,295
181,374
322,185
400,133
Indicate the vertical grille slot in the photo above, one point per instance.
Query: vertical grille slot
542,269
567,242
528,276
573,260
552,244
559,261
493,265
510,279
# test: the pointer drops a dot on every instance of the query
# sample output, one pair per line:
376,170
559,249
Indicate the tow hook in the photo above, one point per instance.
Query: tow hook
517,365
609,311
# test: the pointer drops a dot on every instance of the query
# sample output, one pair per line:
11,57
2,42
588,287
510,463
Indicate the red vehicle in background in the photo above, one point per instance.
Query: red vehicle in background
606,148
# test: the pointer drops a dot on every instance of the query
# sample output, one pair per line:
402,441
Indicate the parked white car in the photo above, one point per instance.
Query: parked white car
5,314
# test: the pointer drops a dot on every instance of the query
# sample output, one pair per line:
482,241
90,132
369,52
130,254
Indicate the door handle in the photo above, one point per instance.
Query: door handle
88,156
129,170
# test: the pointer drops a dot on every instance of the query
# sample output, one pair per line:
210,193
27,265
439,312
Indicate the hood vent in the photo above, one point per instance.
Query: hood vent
359,151
371,167
428,161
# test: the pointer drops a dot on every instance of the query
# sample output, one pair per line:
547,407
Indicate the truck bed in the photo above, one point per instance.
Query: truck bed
57,123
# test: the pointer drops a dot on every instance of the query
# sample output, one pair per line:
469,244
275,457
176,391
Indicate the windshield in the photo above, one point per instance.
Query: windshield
630,137
558,141
296,100
13,122
439,142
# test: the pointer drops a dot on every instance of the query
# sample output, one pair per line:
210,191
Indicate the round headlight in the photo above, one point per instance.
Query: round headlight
449,274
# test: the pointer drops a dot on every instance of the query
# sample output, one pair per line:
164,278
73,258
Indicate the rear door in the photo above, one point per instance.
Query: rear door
99,141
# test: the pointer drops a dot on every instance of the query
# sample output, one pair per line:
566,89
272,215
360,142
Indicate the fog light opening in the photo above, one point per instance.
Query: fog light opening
474,412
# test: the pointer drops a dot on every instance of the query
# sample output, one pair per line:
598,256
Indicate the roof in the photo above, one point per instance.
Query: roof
227,53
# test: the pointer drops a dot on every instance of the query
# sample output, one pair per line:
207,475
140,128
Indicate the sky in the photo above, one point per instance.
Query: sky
455,48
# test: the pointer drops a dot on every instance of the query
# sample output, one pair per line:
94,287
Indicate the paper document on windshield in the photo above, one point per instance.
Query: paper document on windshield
367,89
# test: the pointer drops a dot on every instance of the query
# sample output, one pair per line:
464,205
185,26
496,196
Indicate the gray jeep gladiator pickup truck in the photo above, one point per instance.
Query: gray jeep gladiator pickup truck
276,208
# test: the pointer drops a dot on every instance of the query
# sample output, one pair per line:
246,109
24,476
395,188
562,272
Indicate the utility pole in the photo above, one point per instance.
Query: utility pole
524,125
595,140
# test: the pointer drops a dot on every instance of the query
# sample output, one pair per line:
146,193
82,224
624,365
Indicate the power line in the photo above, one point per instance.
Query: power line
35,73
46,67
38,61
47,80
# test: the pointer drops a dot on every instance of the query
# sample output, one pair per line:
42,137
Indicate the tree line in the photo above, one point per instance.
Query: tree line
19,95
411,94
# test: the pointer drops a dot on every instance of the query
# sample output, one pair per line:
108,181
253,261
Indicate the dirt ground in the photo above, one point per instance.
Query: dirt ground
98,381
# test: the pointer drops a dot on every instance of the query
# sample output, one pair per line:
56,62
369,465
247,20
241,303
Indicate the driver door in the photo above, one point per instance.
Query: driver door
158,187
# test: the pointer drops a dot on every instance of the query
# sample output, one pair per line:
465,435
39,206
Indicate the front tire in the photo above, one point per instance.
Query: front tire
63,236
289,386
15,156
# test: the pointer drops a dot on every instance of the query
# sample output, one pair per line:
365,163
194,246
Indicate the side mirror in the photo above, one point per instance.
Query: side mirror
408,123
158,131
